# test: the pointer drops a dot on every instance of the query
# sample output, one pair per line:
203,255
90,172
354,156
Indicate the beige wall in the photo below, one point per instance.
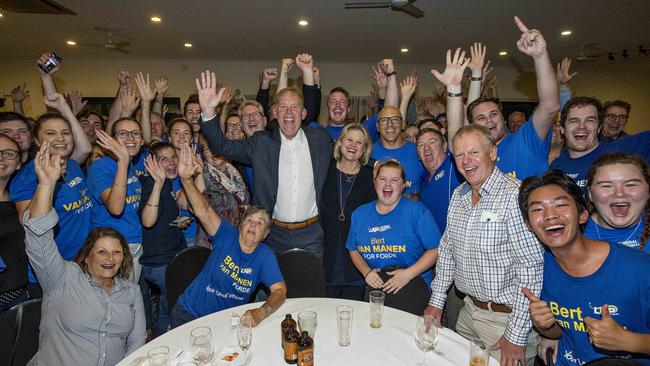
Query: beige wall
98,78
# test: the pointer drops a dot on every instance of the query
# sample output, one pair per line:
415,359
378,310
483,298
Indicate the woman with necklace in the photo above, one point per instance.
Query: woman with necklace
393,232
348,186
619,190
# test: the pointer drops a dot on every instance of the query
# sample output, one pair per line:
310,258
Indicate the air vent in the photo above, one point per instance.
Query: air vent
35,7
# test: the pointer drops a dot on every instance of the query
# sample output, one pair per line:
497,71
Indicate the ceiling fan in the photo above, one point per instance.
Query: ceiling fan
110,45
396,5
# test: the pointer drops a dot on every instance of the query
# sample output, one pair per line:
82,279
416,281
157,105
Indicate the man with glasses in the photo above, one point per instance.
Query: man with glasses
614,119
252,117
393,145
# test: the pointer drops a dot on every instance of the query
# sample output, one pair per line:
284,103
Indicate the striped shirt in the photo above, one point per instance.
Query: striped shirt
489,253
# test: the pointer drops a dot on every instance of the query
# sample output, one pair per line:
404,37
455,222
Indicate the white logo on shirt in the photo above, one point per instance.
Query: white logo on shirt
75,181
613,309
379,229
246,271
439,175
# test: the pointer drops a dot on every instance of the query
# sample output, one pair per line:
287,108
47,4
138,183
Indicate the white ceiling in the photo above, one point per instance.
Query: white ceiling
268,29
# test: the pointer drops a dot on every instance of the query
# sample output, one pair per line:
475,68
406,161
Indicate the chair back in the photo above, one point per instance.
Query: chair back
181,271
412,298
303,273
19,333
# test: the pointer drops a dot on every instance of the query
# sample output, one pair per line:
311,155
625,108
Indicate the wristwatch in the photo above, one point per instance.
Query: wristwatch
268,309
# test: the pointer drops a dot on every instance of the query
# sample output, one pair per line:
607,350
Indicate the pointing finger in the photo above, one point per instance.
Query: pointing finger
522,27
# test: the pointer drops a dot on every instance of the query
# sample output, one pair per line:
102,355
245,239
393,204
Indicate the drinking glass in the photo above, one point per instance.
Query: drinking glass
201,344
245,335
426,336
159,356
478,353
344,316
376,308
308,320
188,363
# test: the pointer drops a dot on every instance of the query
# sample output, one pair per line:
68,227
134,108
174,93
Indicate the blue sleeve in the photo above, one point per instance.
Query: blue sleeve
100,178
371,125
271,273
23,185
226,233
426,227
638,144
531,140
565,95
351,243
263,96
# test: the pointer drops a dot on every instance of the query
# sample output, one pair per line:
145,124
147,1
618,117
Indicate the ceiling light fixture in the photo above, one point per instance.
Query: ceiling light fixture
566,33
71,43
404,50
1,15
188,45
303,23
610,56
503,53
156,19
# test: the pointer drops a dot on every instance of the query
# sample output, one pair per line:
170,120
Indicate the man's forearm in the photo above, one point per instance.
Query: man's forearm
455,115
549,98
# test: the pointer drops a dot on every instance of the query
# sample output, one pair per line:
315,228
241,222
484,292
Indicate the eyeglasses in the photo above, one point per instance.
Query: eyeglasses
614,117
124,134
9,154
393,120
250,116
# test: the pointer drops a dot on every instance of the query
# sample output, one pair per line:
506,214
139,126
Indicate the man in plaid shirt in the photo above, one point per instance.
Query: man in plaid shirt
489,253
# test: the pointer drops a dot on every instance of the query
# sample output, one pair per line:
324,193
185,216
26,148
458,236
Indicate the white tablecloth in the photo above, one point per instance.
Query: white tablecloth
392,344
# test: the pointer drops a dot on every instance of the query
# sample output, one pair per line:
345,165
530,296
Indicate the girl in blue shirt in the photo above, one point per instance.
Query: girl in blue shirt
619,188
114,185
393,231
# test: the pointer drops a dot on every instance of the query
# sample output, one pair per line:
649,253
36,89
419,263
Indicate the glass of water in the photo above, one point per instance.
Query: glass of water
159,356
426,336
201,344
307,321
344,324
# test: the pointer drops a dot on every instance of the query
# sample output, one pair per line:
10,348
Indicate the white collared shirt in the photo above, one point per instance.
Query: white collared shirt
296,198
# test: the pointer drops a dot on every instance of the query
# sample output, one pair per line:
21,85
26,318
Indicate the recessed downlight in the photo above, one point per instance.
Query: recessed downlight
503,53
404,50
71,43
303,23
566,33
188,45
156,19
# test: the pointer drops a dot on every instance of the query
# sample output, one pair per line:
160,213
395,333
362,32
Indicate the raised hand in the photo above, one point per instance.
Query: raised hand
432,107
487,69
453,74
532,42
270,73
305,62
477,53
161,85
48,168
186,168
56,101
238,98
562,72
287,64
19,93
380,78
316,75
408,85
110,144
124,78
540,313
197,162
209,97
227,94
155,170
42,60
75,98
144,87
129,101
606,333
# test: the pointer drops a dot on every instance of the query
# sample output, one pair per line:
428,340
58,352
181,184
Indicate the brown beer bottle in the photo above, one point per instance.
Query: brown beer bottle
291,345
286,323
305,350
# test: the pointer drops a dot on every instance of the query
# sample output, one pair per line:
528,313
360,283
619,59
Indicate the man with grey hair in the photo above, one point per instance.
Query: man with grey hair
487,251
252,117
516,119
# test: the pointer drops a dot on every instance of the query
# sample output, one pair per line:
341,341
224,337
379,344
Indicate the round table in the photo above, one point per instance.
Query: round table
392,344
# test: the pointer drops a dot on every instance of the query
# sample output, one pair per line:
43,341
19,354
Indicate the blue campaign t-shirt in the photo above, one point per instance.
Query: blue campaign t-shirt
190,231
334,131
407,155
629,236
578,168
523,154
436,189
71,203
621,282
101,176
229,276
138,161
398,238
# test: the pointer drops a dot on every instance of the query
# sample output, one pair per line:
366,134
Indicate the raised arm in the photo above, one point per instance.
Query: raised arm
187,169
18,95
563,77
114,198
392,92
115,112
149,214
532,43
40,220
47,78
407,89
269,74
477,60
82,146
283,82
161,85
146,96
305,63
225,108
451,78
380,80
75,99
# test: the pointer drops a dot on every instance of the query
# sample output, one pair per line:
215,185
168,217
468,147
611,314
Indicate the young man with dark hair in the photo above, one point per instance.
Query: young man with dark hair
615,117
596,296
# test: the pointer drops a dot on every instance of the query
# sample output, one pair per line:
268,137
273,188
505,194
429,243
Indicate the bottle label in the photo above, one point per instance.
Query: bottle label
291,351
306,357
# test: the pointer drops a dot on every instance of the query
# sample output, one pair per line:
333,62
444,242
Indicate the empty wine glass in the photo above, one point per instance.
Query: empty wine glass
245,335
426,336
308,320
201,344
